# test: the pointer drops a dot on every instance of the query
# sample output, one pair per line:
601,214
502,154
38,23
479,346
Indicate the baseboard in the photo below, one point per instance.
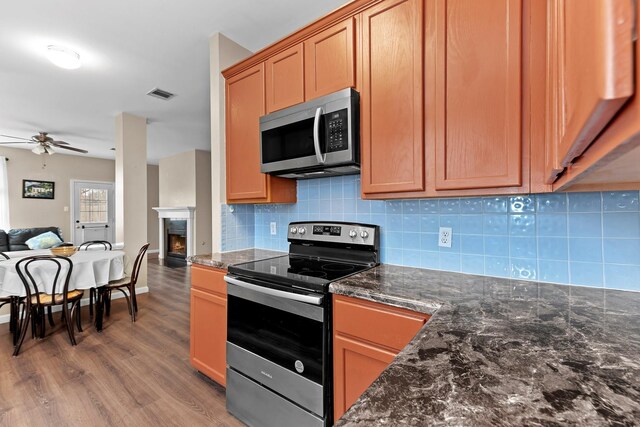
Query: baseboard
153,251
4,318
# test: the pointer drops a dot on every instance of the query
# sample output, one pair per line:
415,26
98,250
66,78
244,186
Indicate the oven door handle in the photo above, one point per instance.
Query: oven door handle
316,137
315,300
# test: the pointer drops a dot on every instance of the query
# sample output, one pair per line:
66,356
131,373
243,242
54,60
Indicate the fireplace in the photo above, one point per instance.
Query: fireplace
176,232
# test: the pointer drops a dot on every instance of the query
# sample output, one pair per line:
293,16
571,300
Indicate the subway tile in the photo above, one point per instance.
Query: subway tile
411,207
496,266
449,261
496,245
585,202
429,206
622,251
551,203
377,207
471,205
378,219
553,271
349,206
429,259
471,244
394,239
394,257
411,240
363,206
621,224
337,205
429,241
523,247
429,223
393,207
585,249
364,218
471,224
518,204
552,225
472,264
553,248
495,204
522,268
615,201
411,258
625,277
586,273
452,221
496,224
449,206
522,225
585,225
394,222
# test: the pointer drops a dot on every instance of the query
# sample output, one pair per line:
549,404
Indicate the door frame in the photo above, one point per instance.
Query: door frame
72,205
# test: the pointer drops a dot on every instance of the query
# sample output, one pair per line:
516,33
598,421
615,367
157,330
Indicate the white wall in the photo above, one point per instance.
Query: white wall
153,197
223,52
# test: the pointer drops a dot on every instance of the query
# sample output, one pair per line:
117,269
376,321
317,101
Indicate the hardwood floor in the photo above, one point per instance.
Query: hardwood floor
134,374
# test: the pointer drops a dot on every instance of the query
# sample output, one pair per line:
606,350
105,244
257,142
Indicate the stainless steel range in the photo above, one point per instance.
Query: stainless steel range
279,370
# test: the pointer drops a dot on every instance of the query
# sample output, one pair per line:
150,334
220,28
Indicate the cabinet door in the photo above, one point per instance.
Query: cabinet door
476,93
329,60
392,97
209,334
285,78
245,105
355,366
590,73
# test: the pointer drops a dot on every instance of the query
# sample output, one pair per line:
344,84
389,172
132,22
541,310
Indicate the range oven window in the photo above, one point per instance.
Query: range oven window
278,336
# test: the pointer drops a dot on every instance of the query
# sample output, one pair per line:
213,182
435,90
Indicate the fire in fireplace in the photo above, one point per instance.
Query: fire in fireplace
176,238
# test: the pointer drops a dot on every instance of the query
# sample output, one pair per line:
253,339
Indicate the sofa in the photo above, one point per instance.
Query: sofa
14,239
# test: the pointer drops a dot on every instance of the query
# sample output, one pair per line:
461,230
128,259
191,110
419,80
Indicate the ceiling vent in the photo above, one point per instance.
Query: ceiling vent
159,93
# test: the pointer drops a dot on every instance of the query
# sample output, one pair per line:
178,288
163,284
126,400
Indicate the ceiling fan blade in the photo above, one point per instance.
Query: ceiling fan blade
72,149
15,142
58,143
15,137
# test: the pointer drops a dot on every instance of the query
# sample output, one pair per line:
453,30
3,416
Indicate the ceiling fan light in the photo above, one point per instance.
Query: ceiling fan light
49,151
39,149
63,57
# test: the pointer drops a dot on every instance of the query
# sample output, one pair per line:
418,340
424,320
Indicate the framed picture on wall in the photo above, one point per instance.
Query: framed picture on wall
32,189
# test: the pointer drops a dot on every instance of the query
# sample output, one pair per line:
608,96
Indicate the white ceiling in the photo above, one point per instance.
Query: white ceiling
127,48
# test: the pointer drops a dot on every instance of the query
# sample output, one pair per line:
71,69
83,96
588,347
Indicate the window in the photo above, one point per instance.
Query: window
94,205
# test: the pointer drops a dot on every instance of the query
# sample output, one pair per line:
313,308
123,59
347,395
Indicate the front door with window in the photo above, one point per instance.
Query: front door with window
93,211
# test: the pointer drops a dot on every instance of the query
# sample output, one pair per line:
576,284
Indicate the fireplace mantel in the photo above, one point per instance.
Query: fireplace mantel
178,212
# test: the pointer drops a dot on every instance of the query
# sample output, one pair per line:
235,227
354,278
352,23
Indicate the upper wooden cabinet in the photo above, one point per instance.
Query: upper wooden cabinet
590,73
391,97
245,103
285,78
330,60
475,93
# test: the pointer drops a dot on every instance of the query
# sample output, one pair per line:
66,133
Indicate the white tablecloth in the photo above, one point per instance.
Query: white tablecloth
90,269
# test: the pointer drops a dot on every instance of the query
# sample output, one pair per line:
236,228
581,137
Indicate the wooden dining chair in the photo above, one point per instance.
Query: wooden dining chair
37,299
127,286
88,245
12,301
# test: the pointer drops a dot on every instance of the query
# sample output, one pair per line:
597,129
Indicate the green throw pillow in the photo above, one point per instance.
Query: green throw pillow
43,241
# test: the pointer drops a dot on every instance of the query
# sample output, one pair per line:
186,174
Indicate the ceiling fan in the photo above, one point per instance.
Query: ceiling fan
44,143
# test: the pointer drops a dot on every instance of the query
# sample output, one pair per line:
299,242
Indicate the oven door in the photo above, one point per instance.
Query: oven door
278,338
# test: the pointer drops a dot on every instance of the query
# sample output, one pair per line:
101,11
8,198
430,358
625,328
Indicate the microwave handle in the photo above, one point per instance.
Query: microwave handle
316,137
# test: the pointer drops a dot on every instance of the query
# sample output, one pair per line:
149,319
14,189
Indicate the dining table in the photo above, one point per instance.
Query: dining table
91,269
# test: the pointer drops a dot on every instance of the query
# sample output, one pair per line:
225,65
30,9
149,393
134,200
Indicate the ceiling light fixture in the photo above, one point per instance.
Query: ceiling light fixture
38,149
63,57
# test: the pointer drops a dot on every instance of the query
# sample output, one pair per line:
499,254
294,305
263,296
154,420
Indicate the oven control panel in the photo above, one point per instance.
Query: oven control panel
334,232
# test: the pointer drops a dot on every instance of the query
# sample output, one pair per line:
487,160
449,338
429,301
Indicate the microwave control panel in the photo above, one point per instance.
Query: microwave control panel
337,131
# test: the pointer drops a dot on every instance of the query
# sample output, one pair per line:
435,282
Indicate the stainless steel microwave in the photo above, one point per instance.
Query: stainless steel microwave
313,139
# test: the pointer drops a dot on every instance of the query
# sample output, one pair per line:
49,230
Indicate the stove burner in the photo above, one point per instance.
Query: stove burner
312,273
334,266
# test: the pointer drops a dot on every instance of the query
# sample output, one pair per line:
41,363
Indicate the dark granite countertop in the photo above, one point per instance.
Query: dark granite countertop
503,352
223,260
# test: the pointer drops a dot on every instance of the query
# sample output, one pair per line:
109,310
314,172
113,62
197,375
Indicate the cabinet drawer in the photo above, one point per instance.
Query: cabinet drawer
377,323
208,279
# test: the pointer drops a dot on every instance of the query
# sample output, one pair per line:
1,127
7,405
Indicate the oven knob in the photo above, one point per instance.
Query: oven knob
302,230
293,230
353,234
364,234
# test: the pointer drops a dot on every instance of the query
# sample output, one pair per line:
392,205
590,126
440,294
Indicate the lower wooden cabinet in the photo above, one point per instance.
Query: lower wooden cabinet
208,322
366,338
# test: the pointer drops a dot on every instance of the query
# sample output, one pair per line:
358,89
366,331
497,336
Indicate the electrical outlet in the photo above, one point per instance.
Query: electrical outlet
273,229
444,238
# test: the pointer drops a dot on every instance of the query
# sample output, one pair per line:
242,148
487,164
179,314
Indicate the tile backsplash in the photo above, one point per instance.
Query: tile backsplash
590,239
